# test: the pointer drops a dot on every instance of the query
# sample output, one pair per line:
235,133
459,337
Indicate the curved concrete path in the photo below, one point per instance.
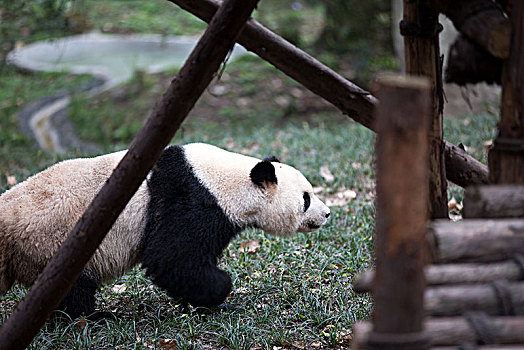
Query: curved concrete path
111,58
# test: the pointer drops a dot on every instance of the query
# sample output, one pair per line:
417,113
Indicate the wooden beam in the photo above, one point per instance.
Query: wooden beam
476,240
497,298
494,201
402,158
63,269
350,99
447,331
441,274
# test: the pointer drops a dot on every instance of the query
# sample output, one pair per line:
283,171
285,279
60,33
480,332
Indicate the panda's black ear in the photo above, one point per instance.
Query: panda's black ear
263,174
271,159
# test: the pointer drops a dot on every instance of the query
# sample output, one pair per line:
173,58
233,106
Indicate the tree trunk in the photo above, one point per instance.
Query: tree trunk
63,269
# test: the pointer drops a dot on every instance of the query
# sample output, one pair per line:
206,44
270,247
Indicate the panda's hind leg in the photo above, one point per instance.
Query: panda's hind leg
80,300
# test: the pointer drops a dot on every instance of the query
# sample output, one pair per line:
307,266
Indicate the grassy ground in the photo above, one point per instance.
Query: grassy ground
288,293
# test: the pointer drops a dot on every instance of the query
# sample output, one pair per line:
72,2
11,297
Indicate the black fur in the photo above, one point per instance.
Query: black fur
186,230
81,297
263,173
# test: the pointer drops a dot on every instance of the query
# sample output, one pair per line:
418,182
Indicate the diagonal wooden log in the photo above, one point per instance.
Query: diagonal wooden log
63,269
358,104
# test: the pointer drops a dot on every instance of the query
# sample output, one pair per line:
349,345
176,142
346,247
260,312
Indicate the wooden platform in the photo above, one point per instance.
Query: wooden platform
474,298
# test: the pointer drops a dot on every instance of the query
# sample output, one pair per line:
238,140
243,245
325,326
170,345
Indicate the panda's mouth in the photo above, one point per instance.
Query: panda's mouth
313,226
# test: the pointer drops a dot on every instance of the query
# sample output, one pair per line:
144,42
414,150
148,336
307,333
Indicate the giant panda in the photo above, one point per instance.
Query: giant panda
193,202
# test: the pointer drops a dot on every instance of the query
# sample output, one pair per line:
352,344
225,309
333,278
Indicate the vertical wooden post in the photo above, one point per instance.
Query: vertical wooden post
420,29
403,118
506,158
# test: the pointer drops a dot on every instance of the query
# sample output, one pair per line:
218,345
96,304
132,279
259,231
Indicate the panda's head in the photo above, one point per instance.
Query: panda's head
288,203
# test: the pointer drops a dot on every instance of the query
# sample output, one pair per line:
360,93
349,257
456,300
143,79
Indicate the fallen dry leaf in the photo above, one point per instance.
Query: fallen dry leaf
169,344
318,189
453,205
316,344
82,323
341,198
249,247
119,288
326,174
11,180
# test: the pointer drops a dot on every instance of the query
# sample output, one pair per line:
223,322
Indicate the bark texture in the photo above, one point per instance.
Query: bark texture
402,158
506,158
420,28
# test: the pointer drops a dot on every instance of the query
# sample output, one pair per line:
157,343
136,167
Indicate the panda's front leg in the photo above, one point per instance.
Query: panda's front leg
186,276
205,286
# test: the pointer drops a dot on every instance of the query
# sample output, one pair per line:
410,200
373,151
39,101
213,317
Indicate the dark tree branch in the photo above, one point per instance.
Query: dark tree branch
468,63
350,99
483,21
63,269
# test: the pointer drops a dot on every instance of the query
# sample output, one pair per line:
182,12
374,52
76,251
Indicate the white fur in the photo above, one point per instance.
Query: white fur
37,214
277,210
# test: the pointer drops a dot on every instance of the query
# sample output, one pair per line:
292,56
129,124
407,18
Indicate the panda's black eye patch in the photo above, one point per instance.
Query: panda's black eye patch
307,201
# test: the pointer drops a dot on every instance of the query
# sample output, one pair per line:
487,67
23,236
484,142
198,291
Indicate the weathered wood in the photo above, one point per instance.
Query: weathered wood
476,240
506,158
483,21
495,201
447,331
454,274
420,28
63,269
504,298
462,169
402,158
468,63
350,99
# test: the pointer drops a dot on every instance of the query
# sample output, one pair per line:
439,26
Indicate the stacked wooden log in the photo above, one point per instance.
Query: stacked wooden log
475,284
